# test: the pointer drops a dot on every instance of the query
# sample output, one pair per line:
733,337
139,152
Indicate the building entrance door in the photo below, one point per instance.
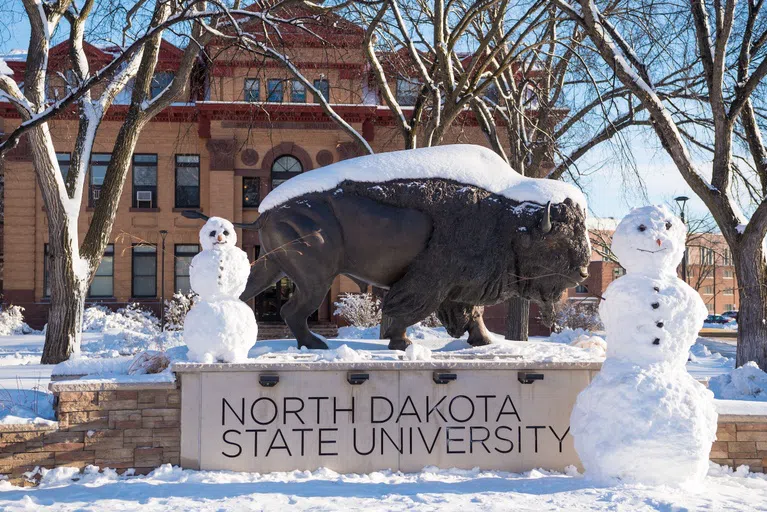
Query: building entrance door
268,303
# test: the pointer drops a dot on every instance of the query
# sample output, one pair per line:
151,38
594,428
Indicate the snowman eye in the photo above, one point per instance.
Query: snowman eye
212,233
668,225
642,227
226,233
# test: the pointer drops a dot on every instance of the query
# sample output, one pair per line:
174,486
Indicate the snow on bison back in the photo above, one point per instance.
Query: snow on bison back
446,229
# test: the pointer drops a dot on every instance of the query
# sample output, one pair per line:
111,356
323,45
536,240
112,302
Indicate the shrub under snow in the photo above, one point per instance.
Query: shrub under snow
12,321
359,309
176,309
577,315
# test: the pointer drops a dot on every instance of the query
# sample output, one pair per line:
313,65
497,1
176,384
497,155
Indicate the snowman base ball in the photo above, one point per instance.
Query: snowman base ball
652,426
219,331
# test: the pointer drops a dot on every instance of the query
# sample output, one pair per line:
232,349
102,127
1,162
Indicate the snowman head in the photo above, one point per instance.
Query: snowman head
650,240
217,233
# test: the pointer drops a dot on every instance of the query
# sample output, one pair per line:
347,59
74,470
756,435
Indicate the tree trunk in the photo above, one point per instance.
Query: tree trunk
752,328
517,319
64,331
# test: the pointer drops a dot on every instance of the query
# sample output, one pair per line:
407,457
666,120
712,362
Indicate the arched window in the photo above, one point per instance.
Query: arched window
284,168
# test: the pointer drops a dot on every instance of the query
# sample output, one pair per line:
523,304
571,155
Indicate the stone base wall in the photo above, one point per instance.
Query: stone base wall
118,426
741,440
137,426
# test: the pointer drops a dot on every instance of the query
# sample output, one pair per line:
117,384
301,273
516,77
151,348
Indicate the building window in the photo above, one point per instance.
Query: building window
407,91
706,256
252,88
297,92
581,288
251,192
274,90
183,258
160,81
727,291
144,271
708,290
618,272
726,258
710,308
46,272
728,274
103,281
99,164
284,168
144,181
323,86
187,181
730,307
64,160
491,93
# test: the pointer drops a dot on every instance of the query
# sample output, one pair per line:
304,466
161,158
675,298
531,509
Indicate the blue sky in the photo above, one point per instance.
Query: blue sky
607,193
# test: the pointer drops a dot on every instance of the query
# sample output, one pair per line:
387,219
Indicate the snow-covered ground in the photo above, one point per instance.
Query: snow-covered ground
23,383
175,489
107,355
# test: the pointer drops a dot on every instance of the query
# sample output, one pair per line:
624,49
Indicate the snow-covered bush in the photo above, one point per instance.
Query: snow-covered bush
176,309
95,317
431,321
359,309
12,321
133,317
577,315
745,383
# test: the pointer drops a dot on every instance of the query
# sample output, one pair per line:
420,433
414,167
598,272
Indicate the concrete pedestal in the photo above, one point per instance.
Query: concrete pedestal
360,417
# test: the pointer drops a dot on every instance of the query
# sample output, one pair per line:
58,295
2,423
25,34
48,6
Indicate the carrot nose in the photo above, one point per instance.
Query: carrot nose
221,238
658,242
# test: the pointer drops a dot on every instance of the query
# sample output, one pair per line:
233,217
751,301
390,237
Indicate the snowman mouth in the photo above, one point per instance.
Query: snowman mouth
652,252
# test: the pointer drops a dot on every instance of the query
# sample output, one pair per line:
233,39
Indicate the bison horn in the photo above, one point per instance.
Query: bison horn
546,222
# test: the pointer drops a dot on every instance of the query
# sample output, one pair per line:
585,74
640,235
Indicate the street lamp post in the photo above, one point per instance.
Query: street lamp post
681,200
163,234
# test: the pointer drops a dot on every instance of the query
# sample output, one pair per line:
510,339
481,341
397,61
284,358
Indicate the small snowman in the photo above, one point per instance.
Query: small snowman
219,327
644,419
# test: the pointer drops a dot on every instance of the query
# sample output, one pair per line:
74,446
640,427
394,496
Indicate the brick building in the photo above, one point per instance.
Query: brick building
710,270
246,127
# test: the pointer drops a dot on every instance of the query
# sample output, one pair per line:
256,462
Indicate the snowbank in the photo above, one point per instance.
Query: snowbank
462,163
745,383
730,326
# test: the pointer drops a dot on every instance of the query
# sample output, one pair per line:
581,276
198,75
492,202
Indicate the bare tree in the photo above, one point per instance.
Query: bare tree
72,261
729,48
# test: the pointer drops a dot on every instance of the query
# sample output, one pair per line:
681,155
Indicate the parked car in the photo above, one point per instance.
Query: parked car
718,319
731,314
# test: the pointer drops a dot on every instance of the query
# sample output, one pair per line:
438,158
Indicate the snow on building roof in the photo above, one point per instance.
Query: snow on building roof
602,223
468,164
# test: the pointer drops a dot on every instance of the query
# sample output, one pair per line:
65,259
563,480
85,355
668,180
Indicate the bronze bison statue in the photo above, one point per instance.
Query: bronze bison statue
447,229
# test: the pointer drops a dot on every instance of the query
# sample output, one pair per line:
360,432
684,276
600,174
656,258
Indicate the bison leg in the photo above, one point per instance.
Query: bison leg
409,301
306,299
459,318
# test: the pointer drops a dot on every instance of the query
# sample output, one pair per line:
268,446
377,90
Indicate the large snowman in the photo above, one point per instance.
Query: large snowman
644,419
219,327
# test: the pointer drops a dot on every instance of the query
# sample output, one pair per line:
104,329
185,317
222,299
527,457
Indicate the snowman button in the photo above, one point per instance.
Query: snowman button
655,305
656,341
656,288
659,324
